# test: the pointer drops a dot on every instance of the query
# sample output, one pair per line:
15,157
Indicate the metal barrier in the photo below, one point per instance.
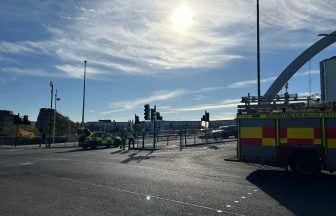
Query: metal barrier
15,141
177,139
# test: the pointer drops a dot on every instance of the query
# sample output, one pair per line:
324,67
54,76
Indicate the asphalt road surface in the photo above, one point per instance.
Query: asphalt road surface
195,181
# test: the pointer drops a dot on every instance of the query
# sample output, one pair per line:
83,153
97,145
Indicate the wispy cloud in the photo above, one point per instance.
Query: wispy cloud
245,83
31,72
230,103
162,95
224,116
137,38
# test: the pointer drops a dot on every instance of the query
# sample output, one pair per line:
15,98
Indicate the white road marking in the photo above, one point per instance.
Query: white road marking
27,163
243,197
138,194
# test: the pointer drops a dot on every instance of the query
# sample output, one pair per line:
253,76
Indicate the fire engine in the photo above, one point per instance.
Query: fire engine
301,138
288,130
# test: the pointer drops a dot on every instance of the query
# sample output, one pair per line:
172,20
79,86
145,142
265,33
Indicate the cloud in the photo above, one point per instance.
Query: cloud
31,72
230,103
162,95
77,71
224,116
245,83
137,38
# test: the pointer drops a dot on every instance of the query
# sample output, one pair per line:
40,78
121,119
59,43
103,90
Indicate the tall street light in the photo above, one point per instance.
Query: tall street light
54,129
84,93
51,102
258,50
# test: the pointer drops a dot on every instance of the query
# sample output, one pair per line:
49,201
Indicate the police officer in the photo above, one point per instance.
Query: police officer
130,137
123,141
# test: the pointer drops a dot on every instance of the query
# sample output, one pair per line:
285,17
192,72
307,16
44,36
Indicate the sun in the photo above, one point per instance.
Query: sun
182,18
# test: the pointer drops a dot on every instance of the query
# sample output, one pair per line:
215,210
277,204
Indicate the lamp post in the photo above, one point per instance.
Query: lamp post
83,108
51,102
54,129
258,51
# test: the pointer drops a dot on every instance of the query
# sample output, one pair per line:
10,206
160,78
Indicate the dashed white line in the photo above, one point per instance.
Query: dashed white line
147,196
27,163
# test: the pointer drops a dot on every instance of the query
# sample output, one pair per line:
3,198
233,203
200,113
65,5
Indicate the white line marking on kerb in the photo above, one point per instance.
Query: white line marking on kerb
145,195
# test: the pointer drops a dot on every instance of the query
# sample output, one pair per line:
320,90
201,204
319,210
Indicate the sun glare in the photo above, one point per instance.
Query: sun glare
182,18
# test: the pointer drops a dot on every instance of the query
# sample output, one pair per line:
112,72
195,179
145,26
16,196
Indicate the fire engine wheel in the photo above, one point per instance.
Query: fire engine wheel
305,164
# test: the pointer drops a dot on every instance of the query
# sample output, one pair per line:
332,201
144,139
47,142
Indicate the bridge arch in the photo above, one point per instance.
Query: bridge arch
298,62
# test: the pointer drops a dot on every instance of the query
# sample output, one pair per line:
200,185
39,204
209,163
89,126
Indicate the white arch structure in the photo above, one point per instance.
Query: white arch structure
297,63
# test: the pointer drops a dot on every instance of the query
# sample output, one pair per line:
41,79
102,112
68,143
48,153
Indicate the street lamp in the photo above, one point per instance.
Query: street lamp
51,101
54,129
258,51
84,93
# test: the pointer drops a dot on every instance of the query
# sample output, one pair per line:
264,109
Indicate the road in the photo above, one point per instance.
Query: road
195,181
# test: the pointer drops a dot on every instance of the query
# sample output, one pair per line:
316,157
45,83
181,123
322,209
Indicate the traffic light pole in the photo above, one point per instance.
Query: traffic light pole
258,51
154,142
83,108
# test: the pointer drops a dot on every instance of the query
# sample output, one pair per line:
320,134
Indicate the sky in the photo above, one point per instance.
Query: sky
185,57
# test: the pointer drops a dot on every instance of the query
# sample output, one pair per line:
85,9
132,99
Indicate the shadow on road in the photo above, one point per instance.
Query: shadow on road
82,150
213,147
138,159
302,196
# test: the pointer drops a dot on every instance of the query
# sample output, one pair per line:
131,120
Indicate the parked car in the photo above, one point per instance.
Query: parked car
97,138
225,132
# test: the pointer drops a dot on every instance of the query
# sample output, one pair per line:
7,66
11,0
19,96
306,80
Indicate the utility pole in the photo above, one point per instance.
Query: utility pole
54,129
84,93
51,102
258,51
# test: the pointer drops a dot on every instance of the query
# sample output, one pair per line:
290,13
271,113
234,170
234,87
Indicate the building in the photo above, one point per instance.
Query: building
328,80
7,127
45,119
109,126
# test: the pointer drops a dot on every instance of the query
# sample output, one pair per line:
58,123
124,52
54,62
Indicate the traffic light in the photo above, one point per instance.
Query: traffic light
17,119
158,116
147,110
153,114
25,120
136,121
207,116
